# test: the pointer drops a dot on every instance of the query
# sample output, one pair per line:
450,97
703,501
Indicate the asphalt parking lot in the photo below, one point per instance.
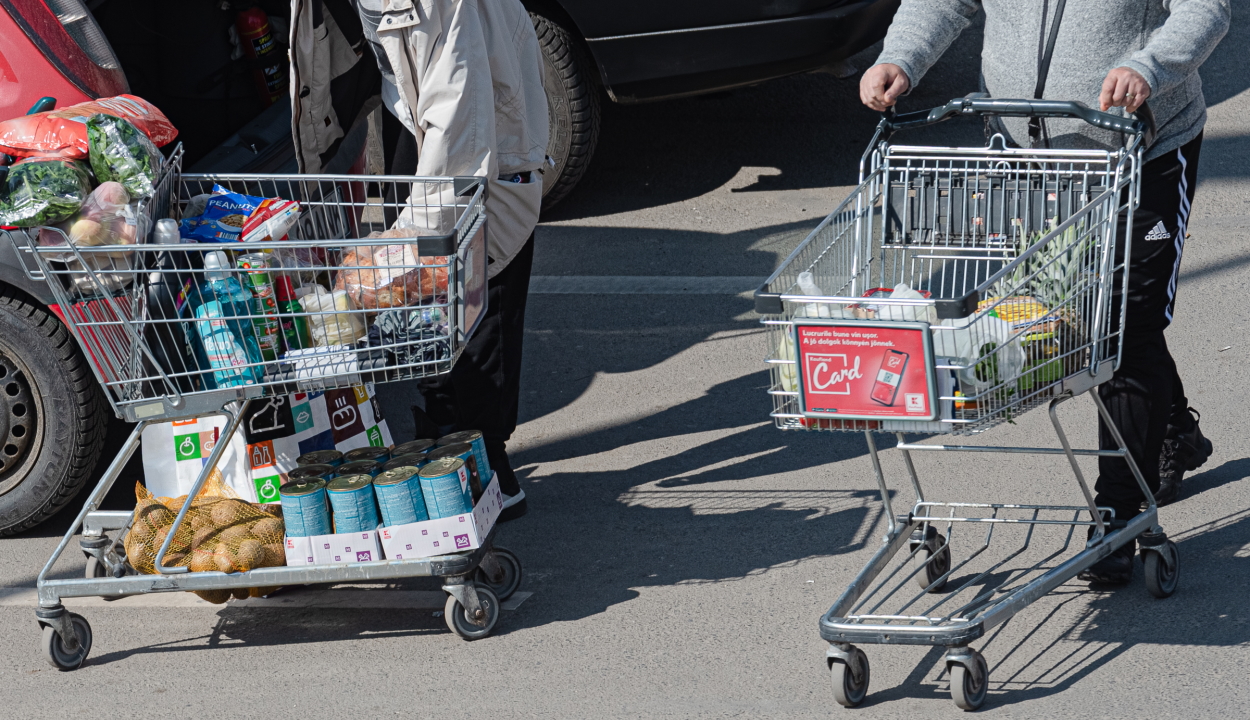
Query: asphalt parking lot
679,549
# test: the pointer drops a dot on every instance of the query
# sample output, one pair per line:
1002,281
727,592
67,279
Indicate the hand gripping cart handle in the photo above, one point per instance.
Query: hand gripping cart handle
955,289
370,310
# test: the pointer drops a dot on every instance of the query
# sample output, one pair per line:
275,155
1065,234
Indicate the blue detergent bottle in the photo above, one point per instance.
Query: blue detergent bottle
229,346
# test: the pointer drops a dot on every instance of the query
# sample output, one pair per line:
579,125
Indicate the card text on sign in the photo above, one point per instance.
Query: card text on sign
874,371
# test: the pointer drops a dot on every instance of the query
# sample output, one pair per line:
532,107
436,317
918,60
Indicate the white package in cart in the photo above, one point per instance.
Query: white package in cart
342,548
298,550
456,533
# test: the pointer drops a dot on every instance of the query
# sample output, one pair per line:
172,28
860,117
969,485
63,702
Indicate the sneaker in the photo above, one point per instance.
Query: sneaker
1115,569
1185,448
514,506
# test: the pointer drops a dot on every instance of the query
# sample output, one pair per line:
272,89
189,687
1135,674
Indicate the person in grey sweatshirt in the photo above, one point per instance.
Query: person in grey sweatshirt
1107,54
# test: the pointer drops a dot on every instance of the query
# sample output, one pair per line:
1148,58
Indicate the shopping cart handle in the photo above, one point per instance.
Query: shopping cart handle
1014,108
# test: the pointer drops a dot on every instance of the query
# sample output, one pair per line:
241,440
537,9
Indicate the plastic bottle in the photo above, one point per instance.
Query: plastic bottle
808,285
294,329
167,232
229,346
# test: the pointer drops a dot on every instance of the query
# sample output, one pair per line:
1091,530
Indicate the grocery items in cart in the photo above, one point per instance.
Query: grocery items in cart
42,191
220,533
63,132
148,341
119,152
392,276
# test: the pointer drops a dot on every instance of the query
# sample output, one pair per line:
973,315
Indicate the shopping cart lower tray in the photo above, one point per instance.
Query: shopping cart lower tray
955,289
391,276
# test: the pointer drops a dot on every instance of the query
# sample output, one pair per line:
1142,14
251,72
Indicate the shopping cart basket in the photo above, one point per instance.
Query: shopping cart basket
955,289
373,311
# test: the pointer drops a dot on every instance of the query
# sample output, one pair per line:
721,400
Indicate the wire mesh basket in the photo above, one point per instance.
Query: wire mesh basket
1008,261
176,330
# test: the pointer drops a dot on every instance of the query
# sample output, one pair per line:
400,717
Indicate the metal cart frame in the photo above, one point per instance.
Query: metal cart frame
102,297
977,229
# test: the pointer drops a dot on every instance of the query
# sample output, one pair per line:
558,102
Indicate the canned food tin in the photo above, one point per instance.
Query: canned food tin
474,438
317,457
255,268
355,508
311,472
464,451
399,497
359,467
415,460
304,508
412,446
444,483
376,454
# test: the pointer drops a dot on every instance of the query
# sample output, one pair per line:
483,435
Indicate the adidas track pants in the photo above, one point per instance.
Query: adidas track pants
1147,391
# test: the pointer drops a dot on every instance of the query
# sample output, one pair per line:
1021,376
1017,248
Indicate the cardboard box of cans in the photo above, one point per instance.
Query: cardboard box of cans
426,538
456,533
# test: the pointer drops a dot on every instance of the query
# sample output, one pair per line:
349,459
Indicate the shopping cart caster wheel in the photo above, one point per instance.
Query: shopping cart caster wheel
458,618
1163,570
850,687
970,680
935,564
510,579
54,648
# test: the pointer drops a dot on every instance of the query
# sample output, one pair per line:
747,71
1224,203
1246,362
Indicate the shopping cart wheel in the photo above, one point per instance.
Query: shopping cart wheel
970,679
935,564
458,618
510,578
1162,571
850,684
54,648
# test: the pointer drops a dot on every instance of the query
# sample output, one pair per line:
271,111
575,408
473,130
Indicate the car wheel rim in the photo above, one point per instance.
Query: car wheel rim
18,425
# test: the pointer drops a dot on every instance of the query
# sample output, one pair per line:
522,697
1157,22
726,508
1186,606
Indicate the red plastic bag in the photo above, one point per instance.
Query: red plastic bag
63,132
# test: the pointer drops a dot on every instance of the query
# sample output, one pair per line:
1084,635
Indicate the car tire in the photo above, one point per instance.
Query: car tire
572,105
53,417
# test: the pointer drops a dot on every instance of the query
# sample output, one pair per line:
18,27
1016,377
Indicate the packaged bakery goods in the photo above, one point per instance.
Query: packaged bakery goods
377,277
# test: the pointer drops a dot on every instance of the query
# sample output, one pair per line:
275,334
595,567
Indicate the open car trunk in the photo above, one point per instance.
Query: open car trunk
180,56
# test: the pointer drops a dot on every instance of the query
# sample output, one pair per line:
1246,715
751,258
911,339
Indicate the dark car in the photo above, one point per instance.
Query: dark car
181,56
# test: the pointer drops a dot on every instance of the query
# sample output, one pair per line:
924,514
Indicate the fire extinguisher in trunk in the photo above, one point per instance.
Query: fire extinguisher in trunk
256,38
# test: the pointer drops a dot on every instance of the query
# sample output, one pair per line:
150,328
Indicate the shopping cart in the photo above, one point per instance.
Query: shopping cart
378,317
955,289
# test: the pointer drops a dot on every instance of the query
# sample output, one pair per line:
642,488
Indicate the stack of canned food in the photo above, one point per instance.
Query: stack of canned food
358,490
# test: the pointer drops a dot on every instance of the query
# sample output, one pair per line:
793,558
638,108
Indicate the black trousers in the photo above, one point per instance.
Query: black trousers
1147,392
482,391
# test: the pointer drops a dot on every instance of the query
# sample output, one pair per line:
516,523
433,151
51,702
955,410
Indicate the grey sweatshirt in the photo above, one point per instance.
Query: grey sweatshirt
1164,40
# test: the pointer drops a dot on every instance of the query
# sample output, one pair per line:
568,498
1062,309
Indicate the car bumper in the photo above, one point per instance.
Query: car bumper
652,66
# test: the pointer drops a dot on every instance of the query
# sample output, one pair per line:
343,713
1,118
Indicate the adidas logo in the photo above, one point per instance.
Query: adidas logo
1158,232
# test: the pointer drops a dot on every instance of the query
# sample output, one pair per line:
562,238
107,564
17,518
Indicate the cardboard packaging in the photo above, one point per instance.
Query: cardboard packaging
443,536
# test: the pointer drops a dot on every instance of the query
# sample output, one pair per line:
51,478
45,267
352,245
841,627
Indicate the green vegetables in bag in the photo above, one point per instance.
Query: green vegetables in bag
120,152
42,191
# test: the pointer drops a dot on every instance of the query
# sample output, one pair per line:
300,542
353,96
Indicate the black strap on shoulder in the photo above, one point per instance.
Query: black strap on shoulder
1045,51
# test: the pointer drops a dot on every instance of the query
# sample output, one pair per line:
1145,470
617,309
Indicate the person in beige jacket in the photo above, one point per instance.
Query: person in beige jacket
462,88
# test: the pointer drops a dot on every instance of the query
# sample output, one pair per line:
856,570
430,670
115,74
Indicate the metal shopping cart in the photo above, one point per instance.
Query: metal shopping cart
131,308
955,289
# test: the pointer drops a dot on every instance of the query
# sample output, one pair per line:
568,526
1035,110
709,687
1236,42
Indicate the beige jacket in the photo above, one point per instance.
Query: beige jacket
469,86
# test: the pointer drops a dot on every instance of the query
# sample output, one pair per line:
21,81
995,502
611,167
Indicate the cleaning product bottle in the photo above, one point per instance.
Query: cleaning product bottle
294,329
229,346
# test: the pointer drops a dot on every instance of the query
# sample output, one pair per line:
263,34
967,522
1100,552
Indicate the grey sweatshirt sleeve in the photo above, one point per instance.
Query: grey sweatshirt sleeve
922,30
1175,50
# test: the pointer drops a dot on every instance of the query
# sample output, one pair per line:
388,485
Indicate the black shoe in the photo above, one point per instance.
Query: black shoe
1185,448
1115,569
514,506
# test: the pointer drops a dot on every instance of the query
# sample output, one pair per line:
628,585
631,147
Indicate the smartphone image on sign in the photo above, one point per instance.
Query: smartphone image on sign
885,389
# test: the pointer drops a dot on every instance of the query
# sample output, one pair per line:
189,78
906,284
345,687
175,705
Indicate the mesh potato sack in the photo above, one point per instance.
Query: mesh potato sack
220,533
390,276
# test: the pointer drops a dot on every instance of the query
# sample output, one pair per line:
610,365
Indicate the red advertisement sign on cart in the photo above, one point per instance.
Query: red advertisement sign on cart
866,370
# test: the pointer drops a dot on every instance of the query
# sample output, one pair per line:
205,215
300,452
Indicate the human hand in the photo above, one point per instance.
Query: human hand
1124,87
882,85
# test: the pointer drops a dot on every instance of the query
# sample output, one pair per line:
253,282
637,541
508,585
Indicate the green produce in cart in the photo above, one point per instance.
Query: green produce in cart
42,191
119,151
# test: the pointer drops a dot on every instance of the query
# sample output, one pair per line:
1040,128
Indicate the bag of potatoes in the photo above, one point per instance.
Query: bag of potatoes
220,533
